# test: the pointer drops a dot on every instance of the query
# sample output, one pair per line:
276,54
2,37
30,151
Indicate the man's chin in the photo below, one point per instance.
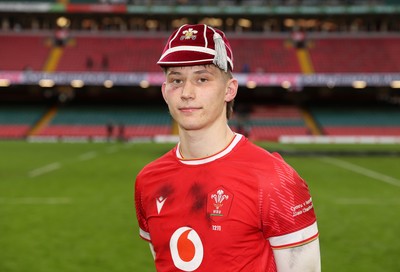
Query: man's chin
190,126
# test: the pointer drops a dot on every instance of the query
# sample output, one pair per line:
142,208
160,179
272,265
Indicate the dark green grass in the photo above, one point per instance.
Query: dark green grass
80,215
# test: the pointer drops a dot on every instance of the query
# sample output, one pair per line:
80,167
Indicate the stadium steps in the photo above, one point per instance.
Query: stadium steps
305,61
53,59
43,122
311,123
55,55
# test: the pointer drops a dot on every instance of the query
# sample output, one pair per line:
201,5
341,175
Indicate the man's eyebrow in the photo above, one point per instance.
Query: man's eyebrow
204,71
173,73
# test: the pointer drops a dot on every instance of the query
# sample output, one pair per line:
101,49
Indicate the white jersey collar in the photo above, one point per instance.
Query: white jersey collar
211,158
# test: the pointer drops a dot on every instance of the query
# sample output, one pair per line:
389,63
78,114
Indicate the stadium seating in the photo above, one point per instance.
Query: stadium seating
265,55
271,122
122,54
140,52
356,55
137,54
256,54
23,52
16,121
94,121
354,121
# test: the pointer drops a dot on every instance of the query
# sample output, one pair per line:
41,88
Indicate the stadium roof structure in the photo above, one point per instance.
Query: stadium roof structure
390,7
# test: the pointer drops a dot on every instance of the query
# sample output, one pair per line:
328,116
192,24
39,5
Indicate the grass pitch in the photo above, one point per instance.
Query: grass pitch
69,207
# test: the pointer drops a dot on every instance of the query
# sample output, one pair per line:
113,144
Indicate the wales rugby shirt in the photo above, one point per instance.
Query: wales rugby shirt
226,212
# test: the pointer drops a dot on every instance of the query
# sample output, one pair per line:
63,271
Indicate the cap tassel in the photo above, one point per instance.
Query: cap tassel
220,58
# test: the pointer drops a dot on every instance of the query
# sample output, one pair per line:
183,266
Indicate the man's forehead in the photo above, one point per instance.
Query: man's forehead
194,69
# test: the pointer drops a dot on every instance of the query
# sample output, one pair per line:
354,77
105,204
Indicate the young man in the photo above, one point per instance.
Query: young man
217,202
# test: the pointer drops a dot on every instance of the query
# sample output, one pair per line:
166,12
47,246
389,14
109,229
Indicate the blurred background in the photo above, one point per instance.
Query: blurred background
81,113
308,70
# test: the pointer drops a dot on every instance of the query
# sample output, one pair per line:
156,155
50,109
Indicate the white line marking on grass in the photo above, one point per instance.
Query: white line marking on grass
45,169
363,171
88,156
35,200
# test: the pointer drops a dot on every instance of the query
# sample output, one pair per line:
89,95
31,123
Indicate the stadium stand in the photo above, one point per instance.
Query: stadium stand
17,121
266,55
261,123
263,54
358,121
117,54
107,122
269,122
354,55
139,54
135,54
23,52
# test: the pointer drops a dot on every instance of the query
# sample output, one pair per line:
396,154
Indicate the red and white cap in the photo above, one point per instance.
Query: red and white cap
199,44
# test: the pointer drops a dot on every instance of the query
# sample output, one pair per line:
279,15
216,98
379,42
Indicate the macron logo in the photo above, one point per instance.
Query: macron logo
160,203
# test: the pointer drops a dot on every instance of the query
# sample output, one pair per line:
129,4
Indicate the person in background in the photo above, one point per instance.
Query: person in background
216,201
110,131
298,36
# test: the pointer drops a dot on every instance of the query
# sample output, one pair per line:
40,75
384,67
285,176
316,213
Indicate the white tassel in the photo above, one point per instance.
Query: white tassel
220,58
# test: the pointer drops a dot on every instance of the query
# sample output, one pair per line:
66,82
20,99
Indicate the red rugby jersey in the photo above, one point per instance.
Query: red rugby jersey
226,212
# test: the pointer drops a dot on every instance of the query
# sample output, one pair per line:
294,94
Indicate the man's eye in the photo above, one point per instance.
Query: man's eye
176,81
203,80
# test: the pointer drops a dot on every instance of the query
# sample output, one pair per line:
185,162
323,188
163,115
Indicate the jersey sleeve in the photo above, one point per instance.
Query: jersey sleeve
140,213
287,211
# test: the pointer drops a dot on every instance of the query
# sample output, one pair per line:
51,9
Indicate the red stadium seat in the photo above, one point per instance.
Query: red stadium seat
13,131
356,55
140,52
23,52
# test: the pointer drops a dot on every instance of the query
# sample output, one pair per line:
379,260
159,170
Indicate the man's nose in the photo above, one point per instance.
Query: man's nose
188,91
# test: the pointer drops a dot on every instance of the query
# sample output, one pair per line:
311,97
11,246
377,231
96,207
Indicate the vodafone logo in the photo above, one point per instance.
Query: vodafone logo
186,249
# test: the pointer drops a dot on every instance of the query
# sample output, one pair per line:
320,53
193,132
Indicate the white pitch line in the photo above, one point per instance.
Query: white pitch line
363,171
45,169
88,156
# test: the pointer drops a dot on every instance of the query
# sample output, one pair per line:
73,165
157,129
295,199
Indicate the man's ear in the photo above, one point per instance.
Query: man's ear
163,86
231,89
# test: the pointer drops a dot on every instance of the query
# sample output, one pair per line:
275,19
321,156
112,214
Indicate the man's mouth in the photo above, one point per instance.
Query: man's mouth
189,109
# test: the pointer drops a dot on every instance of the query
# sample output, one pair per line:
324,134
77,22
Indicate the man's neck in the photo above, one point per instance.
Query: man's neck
201,144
